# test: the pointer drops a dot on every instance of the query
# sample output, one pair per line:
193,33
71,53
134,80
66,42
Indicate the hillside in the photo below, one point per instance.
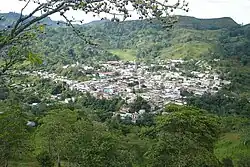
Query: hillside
207,24
7,19
191,38
141,40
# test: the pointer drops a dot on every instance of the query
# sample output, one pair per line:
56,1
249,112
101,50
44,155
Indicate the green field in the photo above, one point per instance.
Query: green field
186,50
231,146
23,164
124,54
32,163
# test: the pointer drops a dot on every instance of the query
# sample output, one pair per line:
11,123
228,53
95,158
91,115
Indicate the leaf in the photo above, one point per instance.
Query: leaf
41,28
34,58
82,4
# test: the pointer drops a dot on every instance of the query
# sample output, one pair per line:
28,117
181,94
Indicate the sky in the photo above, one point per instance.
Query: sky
239,10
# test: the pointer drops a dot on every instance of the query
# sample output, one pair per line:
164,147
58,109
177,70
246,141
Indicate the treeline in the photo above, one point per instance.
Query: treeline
148,41
222,104
85,131
70,136
235,44
232,99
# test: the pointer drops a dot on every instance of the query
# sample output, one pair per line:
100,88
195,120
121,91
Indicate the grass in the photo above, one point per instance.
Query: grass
183,35
182,50
186,50
24,164
32,163
125,54
231,146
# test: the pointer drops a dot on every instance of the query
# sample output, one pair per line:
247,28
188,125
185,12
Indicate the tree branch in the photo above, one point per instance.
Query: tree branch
59,8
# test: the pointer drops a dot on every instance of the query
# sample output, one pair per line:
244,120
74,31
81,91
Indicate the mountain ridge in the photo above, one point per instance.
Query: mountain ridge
184,21
8,19
210,23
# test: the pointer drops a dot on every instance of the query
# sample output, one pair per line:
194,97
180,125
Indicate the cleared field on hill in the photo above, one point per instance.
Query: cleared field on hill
230,145
124,54
186,50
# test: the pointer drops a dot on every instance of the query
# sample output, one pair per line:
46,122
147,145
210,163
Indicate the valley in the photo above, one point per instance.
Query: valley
159,84
124,94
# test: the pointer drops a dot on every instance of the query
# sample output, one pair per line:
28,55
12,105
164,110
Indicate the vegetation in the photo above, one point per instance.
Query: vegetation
71,136
69,128
125,54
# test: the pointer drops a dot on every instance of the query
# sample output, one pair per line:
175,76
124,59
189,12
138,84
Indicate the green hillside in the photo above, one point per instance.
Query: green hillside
187,50
207,24
124,54
147,41
190,38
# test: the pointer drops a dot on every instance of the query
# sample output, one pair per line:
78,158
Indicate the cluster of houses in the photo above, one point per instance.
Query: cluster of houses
159,84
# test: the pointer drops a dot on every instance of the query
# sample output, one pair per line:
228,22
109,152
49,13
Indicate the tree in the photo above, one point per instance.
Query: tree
57,89
184,138
243,161
55,131
64,135
4,92
14,136
146,119
15,40
139,104
93,145
33,99
227,162
45,159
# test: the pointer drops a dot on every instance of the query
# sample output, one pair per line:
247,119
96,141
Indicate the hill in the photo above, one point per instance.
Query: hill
7,19
190,38
207,24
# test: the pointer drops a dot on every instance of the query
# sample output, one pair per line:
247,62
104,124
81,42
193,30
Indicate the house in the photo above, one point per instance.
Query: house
135,117
141,111
34,104
31,124
108,90
124,115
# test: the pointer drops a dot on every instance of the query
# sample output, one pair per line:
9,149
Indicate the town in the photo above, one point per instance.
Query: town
159,84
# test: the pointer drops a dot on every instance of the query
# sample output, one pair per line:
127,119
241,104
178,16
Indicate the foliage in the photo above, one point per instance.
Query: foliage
208,24
222,104
244,161
102,107
235,44
230,145
13,134
68,136
139,104
184,138
45,160
191,38
92,146
227,162
54,132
